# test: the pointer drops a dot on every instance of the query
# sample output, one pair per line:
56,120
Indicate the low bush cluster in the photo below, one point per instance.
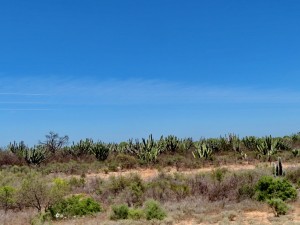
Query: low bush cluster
76,205
151,210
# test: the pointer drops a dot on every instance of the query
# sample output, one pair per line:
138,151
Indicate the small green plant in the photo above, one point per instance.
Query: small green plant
135,214
278,206
119,212
153,210
76,182
76,205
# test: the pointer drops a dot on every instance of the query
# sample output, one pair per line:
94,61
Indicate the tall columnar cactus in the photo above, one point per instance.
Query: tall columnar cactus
278,168
202,151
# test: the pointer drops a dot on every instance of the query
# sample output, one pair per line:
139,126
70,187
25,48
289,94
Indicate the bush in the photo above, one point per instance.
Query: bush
136,214
34,192
278,205
293,175
134,192
76,182
153,210
126,161
246,191
119,212
7,197
269,187
76,205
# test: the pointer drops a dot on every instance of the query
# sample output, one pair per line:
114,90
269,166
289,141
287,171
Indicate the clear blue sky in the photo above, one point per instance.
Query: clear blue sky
113,70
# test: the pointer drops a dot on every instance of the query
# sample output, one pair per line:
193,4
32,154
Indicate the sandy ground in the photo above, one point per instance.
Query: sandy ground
147,174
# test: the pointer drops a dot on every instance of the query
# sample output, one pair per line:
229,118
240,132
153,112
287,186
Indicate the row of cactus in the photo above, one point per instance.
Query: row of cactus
87,147
32,156
149,149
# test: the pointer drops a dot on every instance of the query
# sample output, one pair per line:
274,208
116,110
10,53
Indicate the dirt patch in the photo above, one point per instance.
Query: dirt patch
258,217
148,174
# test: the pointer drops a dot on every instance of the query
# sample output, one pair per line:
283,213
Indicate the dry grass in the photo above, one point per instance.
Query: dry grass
196,209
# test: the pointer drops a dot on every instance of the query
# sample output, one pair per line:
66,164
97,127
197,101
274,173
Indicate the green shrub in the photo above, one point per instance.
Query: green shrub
269,187
134,192
136,214
278,205
76,182
153,210
7,197
126,161
119,212
58,190
76,205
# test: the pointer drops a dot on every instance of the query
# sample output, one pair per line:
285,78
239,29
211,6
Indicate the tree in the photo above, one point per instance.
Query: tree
34,192
54,142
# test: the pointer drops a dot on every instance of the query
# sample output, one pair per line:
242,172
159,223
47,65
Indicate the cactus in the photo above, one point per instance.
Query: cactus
278,171
296,152
171,143
202,151
266,147
100,150
84,147
149,150
35,155
17,148
250,142
186,144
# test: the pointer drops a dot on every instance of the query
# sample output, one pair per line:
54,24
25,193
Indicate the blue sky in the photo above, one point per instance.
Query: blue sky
119,69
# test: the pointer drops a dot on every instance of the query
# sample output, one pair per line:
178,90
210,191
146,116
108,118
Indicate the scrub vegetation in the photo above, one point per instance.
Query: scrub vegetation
211,180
